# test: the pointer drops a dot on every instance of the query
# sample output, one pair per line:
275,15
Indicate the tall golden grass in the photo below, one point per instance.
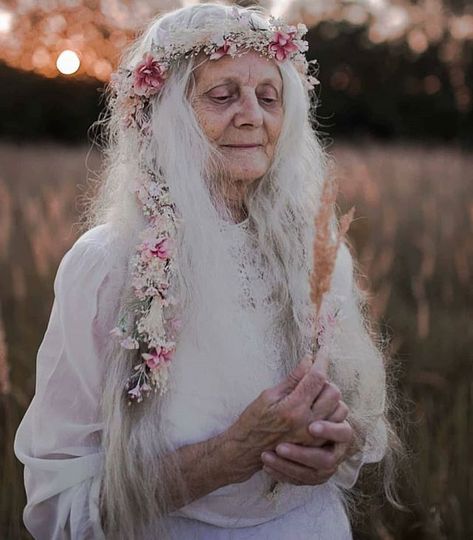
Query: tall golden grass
413,237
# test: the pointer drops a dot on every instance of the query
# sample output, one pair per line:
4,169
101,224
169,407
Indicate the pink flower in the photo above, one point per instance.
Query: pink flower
157,356
135,393
161,248
282,44
149,76
157,248
221,51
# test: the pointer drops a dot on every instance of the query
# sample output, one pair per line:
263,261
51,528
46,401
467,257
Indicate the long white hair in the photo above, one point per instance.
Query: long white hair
281,206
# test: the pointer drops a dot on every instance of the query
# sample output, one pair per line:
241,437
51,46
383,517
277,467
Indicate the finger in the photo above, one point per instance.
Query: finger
324,476
332,431
320,458
326,402
290,382
310,386
319,477
340,414
316,441
292,470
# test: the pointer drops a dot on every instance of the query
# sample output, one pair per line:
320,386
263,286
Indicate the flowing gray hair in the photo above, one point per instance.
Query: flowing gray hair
280,206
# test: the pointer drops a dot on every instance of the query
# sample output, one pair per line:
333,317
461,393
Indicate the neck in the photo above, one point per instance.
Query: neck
237,210
233,201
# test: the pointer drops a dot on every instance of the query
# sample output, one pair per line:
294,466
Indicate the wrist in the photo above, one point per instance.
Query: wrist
240,461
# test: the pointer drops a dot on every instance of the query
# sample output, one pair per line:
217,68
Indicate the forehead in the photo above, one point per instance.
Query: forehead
250,68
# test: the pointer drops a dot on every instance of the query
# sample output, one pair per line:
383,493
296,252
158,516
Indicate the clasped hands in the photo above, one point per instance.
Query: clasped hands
299,427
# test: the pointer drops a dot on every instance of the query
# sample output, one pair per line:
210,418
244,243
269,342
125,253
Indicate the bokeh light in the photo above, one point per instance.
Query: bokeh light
5,21
68,62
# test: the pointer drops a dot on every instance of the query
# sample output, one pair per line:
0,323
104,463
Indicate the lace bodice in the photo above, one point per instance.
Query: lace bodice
256,285
257,288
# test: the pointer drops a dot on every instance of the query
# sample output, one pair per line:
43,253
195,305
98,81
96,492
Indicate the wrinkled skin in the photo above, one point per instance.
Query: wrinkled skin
280,428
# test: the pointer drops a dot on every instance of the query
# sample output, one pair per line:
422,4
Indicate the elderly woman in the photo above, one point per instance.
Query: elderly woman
176,395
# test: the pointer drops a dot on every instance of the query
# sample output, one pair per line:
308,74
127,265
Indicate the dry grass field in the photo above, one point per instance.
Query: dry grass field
412,235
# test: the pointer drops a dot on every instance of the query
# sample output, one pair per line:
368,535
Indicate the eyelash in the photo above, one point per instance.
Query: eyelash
222,99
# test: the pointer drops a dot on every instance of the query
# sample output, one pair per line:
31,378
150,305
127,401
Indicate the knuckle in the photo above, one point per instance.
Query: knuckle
334,392
315,382
289,415
266,396
344,407
318,377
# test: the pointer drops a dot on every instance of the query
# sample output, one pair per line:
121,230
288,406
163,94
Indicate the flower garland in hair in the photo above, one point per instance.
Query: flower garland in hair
234,36
149,324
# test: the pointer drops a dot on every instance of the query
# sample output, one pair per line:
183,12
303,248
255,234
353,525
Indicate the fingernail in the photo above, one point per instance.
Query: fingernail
283,450
266,456
316,428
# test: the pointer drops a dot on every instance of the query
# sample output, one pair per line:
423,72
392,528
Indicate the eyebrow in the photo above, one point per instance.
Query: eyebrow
232,80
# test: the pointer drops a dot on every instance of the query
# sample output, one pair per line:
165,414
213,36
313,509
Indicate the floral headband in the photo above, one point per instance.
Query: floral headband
149,323
279,41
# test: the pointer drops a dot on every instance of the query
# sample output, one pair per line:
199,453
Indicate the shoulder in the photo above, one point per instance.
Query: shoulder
98,238
89,283
88,261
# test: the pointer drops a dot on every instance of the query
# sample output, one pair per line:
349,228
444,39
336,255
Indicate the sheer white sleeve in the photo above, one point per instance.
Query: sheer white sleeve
356,348
59,438
349,470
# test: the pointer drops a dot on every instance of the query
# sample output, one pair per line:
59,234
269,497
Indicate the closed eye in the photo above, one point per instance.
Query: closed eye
223,99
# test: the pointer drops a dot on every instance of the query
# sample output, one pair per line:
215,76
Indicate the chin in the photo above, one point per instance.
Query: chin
246,179
248,174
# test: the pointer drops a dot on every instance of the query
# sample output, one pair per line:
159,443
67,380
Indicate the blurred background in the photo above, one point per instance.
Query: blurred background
396,113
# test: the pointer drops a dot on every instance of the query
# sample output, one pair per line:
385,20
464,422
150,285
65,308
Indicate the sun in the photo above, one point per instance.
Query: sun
5,21
68,62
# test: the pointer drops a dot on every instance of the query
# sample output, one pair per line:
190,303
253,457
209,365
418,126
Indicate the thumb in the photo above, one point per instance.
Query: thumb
287,385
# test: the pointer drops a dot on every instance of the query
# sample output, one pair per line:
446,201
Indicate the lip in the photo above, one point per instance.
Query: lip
242,145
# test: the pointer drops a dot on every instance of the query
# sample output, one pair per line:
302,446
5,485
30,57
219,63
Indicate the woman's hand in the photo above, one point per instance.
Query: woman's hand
311,465
314,464
283,414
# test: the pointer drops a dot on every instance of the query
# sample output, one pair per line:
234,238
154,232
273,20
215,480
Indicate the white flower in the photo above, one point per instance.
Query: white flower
217,39
117,331
130,343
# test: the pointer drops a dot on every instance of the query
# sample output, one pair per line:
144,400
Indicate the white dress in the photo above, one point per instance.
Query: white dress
58,439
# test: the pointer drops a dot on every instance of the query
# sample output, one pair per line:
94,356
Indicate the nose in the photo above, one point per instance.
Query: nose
249,112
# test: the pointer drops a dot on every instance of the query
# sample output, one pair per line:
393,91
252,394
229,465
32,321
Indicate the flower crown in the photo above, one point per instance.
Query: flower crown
149,323
233,37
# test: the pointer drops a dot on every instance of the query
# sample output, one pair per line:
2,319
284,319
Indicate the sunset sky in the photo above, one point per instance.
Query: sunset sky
84,38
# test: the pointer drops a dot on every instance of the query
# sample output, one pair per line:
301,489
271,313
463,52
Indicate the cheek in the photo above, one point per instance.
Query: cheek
274,135
274,129
213,123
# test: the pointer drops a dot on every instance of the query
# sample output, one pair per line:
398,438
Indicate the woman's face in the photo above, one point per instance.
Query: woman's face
238,103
